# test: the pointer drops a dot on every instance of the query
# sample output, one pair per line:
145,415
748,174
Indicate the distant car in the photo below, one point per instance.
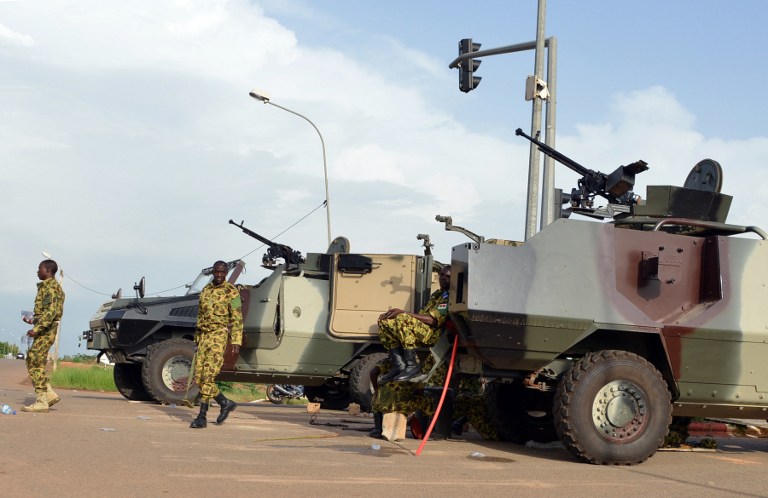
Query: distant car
20,356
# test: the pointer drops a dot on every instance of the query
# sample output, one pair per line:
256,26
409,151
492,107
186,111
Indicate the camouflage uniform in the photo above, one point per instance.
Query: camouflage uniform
409,332
406,397
470,403
409,397
219,309
49,307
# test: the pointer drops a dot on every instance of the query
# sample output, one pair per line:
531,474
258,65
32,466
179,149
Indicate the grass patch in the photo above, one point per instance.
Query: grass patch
99,378
242,392
93,378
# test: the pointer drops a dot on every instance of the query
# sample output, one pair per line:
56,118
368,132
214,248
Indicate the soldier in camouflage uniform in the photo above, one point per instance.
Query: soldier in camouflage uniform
402,332
409,397
219,313
49,306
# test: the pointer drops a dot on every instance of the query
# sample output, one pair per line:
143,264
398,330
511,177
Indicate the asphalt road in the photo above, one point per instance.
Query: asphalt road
99,444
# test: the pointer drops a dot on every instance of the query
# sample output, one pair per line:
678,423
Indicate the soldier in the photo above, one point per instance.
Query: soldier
402,332
218,313
49,306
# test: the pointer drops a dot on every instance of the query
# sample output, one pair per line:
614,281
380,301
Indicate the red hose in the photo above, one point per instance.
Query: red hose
442,397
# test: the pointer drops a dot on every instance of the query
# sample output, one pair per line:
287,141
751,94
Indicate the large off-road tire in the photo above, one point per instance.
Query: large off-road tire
333,395
127,378
520,414
612,407
360,386
166,371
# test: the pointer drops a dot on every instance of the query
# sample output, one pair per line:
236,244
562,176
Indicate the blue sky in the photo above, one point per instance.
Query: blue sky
128,138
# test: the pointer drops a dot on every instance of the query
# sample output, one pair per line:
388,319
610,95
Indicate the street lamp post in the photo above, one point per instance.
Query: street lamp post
258,96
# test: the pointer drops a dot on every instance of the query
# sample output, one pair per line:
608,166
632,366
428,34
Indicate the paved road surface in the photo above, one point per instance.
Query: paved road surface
99,444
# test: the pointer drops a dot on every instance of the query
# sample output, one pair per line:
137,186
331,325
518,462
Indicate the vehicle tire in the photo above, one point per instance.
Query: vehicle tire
520,414
127,378
273,395
166,371
360,386
612,407
333,395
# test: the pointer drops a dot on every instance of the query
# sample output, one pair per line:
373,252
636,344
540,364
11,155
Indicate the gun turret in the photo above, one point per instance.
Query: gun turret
275,251
616,187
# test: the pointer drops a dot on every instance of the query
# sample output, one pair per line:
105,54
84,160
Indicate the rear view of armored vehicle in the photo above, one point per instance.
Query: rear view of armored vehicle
598,333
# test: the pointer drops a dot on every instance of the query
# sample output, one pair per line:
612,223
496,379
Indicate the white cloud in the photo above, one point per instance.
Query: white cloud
129,140
10,37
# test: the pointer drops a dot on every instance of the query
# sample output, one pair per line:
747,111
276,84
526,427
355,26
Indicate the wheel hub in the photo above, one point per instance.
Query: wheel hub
619,411
176,373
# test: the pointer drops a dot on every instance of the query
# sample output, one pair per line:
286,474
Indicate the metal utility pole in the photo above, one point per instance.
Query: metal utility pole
533,163
541,89
548,204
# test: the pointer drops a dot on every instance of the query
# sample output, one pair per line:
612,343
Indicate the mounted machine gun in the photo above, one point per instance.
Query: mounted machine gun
275,251
616,187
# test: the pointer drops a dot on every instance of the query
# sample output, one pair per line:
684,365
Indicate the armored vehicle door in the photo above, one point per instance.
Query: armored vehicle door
363,286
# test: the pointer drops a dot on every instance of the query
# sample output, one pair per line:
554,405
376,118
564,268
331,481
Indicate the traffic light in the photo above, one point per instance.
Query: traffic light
561,198
467,80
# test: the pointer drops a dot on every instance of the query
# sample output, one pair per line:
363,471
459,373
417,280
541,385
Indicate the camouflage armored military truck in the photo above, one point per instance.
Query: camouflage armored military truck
312,321
598,333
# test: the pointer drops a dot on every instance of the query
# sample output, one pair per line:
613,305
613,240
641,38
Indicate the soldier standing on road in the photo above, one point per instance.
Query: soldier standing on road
219,313
49,306
402,332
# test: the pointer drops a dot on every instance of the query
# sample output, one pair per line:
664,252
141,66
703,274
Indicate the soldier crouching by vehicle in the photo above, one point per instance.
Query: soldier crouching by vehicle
219,315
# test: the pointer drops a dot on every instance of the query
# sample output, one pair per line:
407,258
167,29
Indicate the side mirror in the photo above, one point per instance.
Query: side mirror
139,288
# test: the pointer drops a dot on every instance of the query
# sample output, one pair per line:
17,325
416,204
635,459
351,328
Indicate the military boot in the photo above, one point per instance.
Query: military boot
200,422
39,406
378,418
51,395
227,405
397,364
412,366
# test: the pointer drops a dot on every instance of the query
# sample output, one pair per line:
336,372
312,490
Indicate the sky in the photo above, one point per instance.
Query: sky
128,138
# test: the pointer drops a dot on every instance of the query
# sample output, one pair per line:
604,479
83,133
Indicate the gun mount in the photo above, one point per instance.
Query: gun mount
616,187
275,250
450,227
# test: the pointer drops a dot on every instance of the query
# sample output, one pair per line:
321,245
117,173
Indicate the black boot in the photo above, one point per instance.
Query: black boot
397,364
378,418
200,422
412,367
457,428
227,405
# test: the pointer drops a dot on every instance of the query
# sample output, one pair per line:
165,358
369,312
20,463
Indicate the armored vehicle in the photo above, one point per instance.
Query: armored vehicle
595,333
598,333
311,321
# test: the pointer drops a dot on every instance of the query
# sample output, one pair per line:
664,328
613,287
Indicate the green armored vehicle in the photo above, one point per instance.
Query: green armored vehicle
598,333
312,321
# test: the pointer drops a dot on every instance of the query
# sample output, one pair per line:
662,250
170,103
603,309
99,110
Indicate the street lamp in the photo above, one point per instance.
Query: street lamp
260,96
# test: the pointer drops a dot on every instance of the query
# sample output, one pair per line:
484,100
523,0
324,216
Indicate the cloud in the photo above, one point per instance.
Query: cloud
10,37
130,140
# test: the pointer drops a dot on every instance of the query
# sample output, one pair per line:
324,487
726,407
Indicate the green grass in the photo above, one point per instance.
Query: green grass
94,378
99,378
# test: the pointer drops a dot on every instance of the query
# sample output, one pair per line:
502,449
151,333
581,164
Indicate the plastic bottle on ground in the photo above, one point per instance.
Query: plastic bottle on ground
8,410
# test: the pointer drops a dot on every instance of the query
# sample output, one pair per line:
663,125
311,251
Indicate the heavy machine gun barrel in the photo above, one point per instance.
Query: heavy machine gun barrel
616,187
275,251
557,156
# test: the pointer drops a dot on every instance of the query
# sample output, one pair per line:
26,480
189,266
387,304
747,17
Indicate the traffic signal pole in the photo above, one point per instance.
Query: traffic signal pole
548,199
